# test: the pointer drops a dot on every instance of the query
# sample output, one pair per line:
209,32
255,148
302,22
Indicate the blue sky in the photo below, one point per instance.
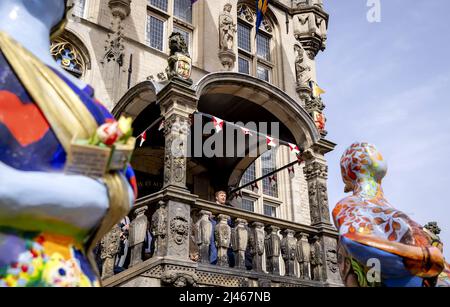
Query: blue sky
387,83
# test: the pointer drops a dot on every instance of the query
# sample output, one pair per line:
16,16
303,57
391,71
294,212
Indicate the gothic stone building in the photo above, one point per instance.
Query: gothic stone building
238,74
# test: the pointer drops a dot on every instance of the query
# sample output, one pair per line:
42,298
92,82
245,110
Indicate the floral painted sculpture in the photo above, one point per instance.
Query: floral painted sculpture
52,132
378,244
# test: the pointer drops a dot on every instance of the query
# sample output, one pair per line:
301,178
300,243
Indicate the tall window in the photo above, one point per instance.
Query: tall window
160,4
183,10
165,17
249,175
254,54
155,32
79,7
68,56
268,165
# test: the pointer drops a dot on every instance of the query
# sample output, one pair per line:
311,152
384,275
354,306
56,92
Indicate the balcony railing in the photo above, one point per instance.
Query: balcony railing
223,239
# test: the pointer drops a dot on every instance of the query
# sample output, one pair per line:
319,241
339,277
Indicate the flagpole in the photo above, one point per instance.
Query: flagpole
265,176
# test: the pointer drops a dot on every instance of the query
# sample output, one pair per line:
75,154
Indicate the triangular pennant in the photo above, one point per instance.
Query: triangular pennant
273,181
246,131
218,124
161,125
143,138
255,187
294,148
271,141
300,159
291,171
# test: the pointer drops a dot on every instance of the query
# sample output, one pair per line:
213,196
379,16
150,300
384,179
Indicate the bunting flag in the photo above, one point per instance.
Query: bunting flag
261,9
255,187
300,159
271,141
273,181
218,124
161,125
246,131
316,90
291,171
294,148
143,137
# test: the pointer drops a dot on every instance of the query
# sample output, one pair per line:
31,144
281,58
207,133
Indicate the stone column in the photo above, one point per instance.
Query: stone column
273,249
303,255
178,102
316,173
109,248
204,235
257,236
288,251
137,231
239,240
223,237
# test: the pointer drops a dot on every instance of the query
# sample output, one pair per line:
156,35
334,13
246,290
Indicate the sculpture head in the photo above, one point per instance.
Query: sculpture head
177,44
51,13
362,162
227,7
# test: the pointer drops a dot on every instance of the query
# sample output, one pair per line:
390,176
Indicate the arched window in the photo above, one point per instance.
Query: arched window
70,54
255,55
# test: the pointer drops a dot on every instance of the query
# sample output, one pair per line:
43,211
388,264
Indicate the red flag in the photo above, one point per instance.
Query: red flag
294,148
255,187
218,124
271,141
291,171
143,138
246,131
273,181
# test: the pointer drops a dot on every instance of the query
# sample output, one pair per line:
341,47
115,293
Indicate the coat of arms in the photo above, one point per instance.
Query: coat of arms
180,63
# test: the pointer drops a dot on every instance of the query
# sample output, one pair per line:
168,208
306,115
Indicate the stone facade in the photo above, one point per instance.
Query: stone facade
127,69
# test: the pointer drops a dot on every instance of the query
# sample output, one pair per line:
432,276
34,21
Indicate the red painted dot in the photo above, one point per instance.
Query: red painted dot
34,253
24,268
40,239
14,265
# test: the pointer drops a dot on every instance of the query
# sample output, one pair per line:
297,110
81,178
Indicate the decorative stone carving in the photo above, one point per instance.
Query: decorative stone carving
179,228
159,229
273,250
137,231
109,246
176,129
204,235
245,13
316,173
178,278
303,253
302,69
288,251
257,240
315,170
239,241
316,259
114,47
179,62
332,260
223,237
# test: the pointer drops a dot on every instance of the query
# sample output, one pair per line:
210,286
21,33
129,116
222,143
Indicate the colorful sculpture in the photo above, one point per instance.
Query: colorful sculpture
378,244
50,220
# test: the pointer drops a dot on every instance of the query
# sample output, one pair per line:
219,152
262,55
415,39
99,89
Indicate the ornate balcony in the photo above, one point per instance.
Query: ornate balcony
252,249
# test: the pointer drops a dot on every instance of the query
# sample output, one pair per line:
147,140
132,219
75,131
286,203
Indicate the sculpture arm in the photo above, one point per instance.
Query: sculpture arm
28,197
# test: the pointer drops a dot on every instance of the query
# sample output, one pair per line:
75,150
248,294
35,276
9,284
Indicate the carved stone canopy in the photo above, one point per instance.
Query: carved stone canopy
120,8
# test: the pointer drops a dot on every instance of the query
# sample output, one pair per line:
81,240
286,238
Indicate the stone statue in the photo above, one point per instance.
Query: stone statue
227,28
222,239
370,228
159,229
316,259
288,251
179,62
205,230
50,220
302,69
